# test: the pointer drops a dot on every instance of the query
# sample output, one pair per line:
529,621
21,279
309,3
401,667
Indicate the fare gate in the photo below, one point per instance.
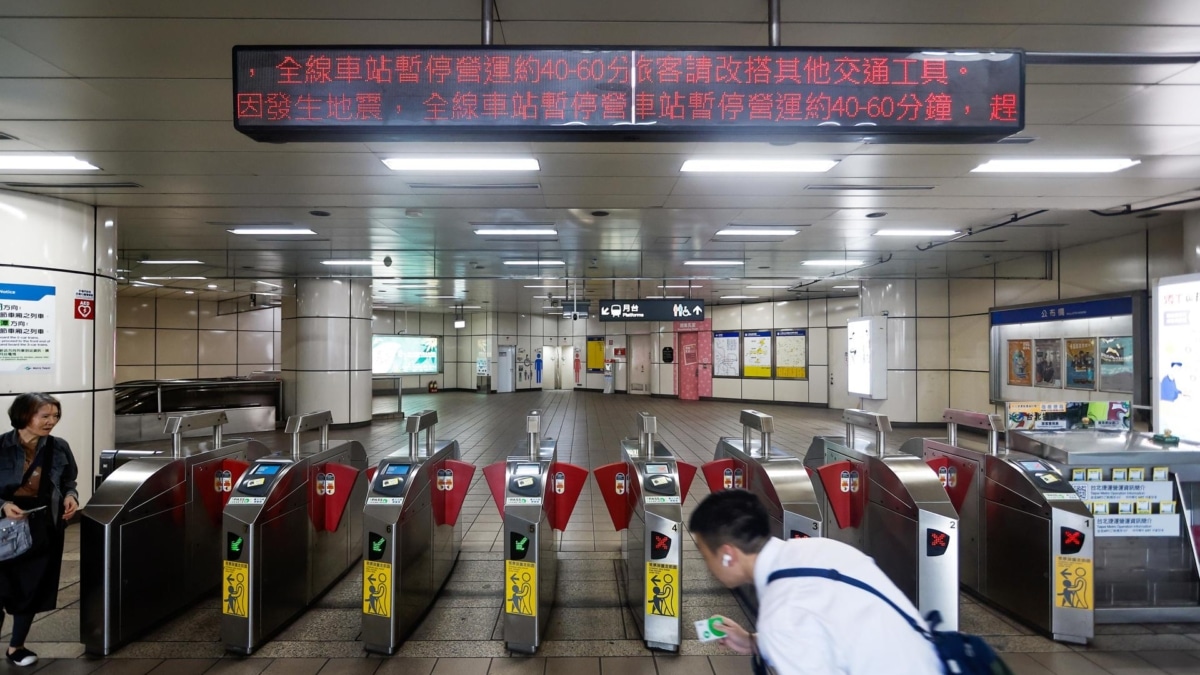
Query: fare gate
893,508
535,494
413,536
290,532
644,494
150,536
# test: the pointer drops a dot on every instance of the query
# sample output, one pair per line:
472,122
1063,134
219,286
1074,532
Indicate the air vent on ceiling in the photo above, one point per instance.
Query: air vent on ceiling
474,186
7,137
872,188
293,240
92,186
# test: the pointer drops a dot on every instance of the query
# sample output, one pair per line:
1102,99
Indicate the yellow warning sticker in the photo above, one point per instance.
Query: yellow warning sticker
521,584
377,588
1073,581
233,589
662,589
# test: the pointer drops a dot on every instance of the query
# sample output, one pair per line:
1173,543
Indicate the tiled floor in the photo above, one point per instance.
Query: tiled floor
590,633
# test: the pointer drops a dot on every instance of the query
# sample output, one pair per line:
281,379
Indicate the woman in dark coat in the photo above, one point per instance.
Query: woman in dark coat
37,471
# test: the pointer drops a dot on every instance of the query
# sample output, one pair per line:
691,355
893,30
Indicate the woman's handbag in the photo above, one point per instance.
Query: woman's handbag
15,538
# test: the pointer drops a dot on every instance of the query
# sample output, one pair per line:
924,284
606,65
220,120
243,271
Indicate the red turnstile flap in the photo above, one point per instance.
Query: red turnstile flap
339,484
371,473
563,488
718,474
216,481
614,485
316,498
687,473
845,490
451,481
956,476
494,475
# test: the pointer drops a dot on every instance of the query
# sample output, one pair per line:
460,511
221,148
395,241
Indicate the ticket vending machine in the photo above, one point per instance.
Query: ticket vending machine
413,535
150,535
535,494
644,493
893,508
292,528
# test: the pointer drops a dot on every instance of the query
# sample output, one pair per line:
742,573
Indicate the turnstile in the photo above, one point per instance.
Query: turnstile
292,528
413,536
1024,535
644,493
893,508
535,494
150,535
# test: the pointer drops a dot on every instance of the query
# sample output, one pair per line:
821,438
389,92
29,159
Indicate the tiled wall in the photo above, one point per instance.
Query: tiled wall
171,339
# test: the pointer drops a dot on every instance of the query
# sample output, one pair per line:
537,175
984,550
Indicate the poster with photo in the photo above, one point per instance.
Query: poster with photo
1080,367
1047,363
1020,363
1116,363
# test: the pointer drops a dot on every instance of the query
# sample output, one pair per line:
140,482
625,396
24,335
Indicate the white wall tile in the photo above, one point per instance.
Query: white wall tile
175,347
792,391
897,297
175,372
816,312
902,338
818,384
523,324
506,323
131,373
1023,291
840,310
321,344
818,346
217,347
383,322
359,345
933,395
791,314
969,391
177,314
971,296
726,317
228,370
664,375
259,320
900,404
135,312
255,347
1164,257
758,390
727,388
537,325
325,391
210,320
135,346
933,297
933,344
969,342
757,315
1108,266
639,327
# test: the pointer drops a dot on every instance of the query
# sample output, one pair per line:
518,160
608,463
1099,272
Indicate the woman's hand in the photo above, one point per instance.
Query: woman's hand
736,637
70,506
13,511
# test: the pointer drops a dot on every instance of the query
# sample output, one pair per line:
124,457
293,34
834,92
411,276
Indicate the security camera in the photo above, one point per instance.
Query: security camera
387,261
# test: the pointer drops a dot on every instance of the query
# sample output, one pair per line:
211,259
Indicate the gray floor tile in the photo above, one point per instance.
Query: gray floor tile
1065,663
568,665
325,624
1140,643
172,650
183,667
232,666
627,665
585,623
978,620
586,593
71,666
518,665
287,666
1175,663
129,666
1122,663
1025,664
461,666
683,665
457,623
355,666
406,666
730,664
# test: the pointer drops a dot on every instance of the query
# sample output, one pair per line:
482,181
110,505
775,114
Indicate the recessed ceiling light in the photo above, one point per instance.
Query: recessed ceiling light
537,263
1097,165
845,288
546,286
759,165
768,287
467,306
541,297
834,263
740,297
715,263
515,231
43,163
348,262
212,285
189,292
174,278
462,164
916,233
757,232
439,297
267,283
271,230
170,262
144,283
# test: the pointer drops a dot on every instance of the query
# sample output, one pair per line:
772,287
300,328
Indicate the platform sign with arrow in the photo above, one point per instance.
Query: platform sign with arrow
651,310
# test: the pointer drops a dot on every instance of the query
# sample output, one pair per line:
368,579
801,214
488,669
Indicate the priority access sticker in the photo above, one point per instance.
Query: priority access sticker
376,587
520,582
662,589
235,582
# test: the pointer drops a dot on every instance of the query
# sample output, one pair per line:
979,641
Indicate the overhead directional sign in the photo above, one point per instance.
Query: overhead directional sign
651,310
314,93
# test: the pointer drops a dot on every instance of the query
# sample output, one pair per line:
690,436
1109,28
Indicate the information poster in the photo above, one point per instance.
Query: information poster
1064,415
1177,356
404,355
1081,363
756,353
726,359
791,358
1020,363
1116,363
26,328
595,354
1047,363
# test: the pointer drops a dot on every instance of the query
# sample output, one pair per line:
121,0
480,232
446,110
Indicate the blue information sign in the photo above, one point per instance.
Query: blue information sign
1062,311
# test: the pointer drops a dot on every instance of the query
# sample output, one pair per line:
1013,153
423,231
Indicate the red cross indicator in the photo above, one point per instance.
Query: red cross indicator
661,545
1072,541
936,542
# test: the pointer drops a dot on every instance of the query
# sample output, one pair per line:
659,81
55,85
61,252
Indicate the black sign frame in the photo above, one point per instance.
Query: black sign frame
651,310
638,132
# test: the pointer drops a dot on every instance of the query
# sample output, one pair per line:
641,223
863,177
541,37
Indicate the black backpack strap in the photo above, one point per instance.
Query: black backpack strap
834,575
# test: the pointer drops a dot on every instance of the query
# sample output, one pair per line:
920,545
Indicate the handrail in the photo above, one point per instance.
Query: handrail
753,420
870,421
533,427
414,424
991,423
177,424
301,422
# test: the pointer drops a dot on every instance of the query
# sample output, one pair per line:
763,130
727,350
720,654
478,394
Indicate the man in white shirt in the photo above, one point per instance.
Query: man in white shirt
807,624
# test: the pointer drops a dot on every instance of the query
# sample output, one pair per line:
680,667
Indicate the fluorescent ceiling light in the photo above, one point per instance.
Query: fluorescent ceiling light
460,323
1055,165
757,232
212,285
174,278
144,283
468,306
916,233
759,165
267,283
43,163
740,297
348,262
528,231
844,288
537,263
669,286
541,297
714,263
546,286
444,297
189,292
170,262
271,230
462,164
664,297
834,263
768,287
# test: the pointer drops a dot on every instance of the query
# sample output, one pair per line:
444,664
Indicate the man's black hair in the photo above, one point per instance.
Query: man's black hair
734,517
25,406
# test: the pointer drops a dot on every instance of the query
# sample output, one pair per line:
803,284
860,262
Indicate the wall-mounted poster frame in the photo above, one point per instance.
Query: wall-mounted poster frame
791,354
1114,357
1080,365
1176,376
1020,363
756,354
727,354
595,354
1048,363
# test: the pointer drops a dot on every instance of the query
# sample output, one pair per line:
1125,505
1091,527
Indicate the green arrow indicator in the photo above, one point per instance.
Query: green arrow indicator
236,545
521,543
377,545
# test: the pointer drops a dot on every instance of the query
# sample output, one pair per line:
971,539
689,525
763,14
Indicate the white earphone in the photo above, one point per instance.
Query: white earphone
726,559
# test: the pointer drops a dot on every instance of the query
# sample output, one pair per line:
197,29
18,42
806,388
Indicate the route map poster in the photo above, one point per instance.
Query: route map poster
791,358
756,353
726,358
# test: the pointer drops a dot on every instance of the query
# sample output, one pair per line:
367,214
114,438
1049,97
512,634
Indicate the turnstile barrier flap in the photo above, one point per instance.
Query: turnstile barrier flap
687,473
452,479
845,485
719,474
332,484
214,481
956,476
613,481
494,474
563,487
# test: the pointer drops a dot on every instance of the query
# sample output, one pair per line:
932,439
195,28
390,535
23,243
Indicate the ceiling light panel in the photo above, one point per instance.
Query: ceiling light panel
349,262
170,262
462,164
287,231
757,232
516,232
44,163
916,233
718,165
833,263
534,263
715,263
1080,165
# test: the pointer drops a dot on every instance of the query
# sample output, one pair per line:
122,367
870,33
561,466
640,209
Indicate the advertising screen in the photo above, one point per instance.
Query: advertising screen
1176,366
404,355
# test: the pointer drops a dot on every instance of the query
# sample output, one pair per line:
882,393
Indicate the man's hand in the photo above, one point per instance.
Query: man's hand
736,637
70,506
13,511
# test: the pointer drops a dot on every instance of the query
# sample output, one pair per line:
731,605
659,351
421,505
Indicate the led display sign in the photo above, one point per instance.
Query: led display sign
312,93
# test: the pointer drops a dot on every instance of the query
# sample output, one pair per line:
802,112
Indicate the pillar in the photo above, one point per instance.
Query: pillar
1191,241
59,261
327,349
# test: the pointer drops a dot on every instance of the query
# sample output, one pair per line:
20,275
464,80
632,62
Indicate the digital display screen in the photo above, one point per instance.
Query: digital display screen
397,470
266,469
404,355
1033,466
656,468
322,92
528,470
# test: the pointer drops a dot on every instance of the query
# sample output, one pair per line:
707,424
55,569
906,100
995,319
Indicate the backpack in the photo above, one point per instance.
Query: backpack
960,653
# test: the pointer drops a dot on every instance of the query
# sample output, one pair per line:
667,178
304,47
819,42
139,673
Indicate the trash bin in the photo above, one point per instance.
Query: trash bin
608,383
483,384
